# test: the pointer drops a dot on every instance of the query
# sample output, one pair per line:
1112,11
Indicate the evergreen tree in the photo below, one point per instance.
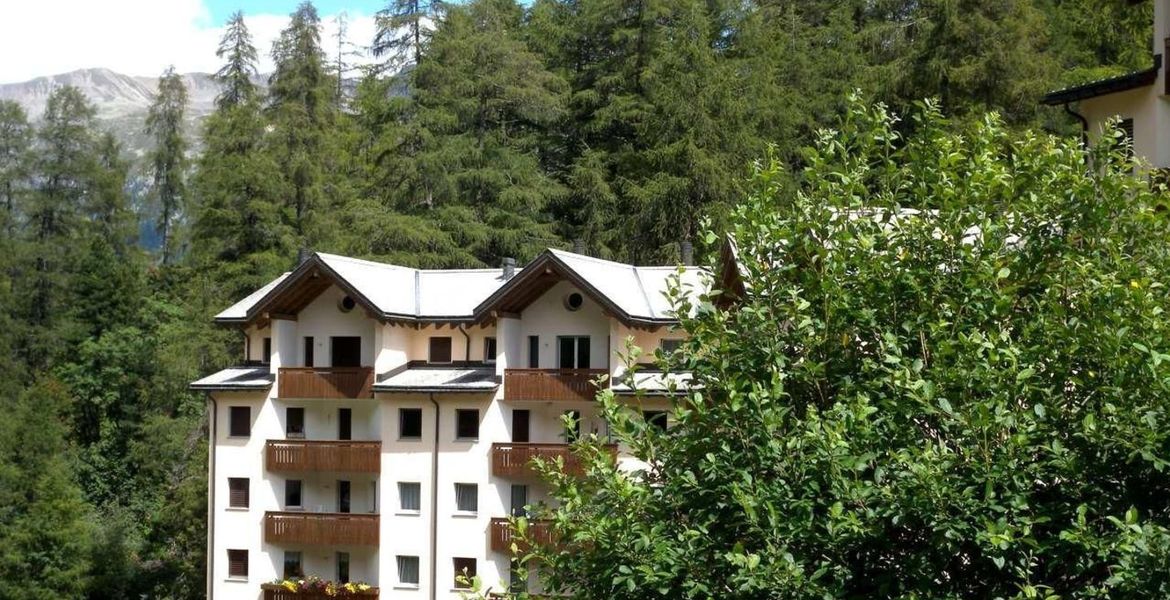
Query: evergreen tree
43,529
486,100
168,160
239,56
240,233
15,141
403,30
303,112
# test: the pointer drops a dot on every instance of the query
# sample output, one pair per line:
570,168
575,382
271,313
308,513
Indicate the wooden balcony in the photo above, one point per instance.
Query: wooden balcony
273,591
326,382
551,385
503,536
514,460
322,529
304,456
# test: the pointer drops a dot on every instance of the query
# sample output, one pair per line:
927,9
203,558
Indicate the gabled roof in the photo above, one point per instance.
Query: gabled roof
1102,87
629,293
387,292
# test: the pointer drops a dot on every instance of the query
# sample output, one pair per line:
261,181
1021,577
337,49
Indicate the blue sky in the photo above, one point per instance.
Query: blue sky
143,37
221,9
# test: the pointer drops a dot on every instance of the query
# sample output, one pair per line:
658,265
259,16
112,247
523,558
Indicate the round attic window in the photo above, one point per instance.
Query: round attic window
346,304
574,301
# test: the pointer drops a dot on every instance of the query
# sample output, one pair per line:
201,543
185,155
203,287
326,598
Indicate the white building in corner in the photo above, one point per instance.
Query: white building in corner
1140,100
381,427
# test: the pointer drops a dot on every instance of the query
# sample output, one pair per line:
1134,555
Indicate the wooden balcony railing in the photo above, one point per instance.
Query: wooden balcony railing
563,385
327,529
274,591
514,460
503,536
300,456
326,382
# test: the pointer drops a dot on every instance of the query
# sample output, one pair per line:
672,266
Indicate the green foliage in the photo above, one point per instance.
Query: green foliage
947,377
44,534
168,160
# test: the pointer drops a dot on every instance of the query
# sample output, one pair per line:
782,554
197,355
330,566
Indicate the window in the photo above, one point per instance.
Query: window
267,357
464,572
409,496
308,351
440,350
294,422
343,496
292,493
466,497
669,346
345,423
410,423
238,563
240,421
656,418
574,302
573,351
533,352
467,424
489,349
521,420
407,570
346,351
238,492
519,500
343,567
292,565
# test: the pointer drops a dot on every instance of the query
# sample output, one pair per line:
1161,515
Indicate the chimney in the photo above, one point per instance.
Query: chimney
509,268
687,250
578,246
302,255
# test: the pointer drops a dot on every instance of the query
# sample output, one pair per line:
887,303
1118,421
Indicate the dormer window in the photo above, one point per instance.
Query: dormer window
440,351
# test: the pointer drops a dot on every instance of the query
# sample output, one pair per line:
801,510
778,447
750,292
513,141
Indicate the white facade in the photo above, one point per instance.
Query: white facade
435,530
1142,100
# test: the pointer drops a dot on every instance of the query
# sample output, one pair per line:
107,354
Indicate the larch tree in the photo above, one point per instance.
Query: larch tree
403,30
168,159
16,136
236,75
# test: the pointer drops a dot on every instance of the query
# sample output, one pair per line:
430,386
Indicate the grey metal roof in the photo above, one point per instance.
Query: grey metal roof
236,378
654,383
239,310
441,379
639,291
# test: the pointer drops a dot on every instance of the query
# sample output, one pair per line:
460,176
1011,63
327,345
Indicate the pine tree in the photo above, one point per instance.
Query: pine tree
168,160
403,31
240,233
235,76
303,112
43,530
15,142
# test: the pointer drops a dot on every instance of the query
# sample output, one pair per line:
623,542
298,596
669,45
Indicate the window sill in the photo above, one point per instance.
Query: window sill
294,509
473,440
413,438
464,514
236,579
294,436
408,513
406,586
236,509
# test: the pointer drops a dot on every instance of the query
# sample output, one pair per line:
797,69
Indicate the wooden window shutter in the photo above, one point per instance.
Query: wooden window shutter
237,563
238,492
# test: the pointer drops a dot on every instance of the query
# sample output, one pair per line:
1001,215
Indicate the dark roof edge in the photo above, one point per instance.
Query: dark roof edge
1103,87
379,388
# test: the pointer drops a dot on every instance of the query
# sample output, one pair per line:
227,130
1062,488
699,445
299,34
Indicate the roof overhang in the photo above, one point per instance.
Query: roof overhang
538,277
1104,87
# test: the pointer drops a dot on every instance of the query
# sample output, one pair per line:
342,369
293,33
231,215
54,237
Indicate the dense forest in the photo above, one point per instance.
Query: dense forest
487,129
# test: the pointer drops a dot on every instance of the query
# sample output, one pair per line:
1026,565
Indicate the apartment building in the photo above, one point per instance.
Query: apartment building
382,424
1139,100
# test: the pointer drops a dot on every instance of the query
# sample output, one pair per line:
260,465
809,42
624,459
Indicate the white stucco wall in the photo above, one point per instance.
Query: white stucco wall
548,318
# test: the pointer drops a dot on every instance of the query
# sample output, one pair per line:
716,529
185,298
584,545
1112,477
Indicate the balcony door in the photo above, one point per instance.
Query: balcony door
519,500
345,423
343,489
573,351
520,425
346,351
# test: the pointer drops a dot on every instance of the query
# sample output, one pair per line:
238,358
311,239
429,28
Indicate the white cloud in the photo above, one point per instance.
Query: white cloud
134,37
